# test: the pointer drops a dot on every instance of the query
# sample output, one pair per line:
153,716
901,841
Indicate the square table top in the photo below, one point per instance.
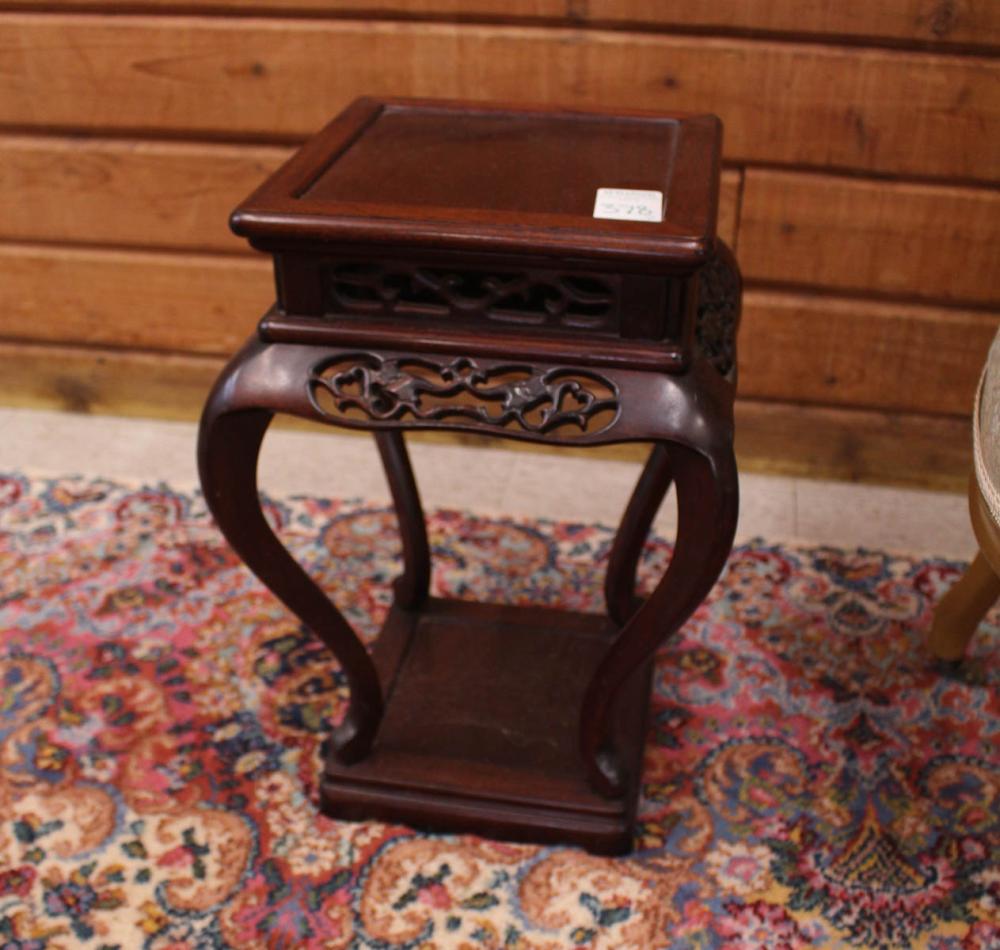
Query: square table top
460,176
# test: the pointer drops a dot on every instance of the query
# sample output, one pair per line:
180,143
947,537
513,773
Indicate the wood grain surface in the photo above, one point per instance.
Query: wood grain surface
930,241
862,353
938,22
854,445
132,299
166,194
876,110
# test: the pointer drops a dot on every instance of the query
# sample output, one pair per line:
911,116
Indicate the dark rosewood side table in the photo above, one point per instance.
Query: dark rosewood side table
445,266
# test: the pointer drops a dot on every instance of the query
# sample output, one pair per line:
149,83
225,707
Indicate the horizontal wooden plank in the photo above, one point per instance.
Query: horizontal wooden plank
793,347
131,193
771,437
953,21
153,194
929,241
198,304
964,22
801,104
113,382
854,445
862,353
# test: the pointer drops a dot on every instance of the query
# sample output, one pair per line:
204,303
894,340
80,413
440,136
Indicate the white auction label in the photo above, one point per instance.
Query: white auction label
628,204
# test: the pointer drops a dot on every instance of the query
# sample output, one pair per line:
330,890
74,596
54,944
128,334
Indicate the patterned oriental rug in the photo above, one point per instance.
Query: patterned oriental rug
812,778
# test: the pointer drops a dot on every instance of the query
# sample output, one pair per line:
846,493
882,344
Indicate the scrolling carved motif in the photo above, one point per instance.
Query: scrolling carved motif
498,396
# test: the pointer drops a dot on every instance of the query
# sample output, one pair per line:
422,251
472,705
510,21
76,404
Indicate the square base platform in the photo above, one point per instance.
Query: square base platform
481,728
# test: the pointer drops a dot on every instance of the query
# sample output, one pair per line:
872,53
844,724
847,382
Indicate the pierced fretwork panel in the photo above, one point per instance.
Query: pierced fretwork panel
538,298
362,387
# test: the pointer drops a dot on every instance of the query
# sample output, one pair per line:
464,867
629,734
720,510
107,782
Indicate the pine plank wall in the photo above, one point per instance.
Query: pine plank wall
860,191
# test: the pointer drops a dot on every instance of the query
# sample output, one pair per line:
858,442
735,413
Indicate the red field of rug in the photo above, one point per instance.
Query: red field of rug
812,777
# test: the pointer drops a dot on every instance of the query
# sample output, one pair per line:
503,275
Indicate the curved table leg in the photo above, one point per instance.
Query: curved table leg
707,506
228,447
962,608
619,582
412,585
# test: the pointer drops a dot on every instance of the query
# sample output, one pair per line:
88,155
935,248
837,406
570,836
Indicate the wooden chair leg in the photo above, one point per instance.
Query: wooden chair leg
962,608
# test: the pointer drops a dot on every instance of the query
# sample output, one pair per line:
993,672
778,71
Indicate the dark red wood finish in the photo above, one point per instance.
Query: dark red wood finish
489,179
437,267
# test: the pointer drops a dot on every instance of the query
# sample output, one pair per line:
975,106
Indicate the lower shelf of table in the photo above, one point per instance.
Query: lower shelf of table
481,728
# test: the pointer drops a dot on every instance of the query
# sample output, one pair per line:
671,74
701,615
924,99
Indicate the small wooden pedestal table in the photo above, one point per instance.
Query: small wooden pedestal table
453,266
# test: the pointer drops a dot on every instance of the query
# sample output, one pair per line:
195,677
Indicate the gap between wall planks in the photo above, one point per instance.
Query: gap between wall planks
937,23
924,114
792,345
777,438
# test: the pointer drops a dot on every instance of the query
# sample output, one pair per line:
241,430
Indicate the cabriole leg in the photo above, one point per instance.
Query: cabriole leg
707,504
619,583
228,448
412,585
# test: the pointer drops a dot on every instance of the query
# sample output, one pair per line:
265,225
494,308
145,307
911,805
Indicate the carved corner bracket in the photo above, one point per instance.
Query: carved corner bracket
719,312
